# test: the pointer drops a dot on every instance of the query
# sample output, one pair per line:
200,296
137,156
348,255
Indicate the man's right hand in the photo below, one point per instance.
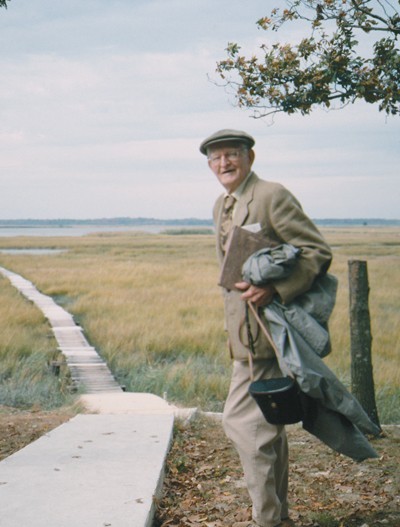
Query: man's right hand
259,296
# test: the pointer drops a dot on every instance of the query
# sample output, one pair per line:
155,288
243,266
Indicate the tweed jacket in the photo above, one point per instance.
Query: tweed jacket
282,220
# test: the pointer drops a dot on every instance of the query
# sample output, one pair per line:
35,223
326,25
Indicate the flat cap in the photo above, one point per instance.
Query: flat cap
222,136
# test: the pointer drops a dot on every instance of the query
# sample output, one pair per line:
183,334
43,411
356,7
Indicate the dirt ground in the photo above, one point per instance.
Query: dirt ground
19,428
204,486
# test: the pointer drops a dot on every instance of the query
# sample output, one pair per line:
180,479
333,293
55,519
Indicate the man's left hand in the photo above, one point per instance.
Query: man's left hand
259,296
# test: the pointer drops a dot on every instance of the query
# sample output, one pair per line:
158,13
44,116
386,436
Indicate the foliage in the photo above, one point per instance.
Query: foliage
3,3
340,61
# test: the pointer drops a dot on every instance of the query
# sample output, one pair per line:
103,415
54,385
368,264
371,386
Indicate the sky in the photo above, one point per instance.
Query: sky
103,105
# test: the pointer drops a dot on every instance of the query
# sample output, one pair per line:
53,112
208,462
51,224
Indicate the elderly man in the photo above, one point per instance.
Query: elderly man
271,209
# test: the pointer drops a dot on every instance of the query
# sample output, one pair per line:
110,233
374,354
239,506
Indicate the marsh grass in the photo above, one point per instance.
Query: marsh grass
26,351
150,305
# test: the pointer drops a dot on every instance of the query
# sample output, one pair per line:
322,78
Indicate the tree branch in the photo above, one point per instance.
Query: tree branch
371,14
324,67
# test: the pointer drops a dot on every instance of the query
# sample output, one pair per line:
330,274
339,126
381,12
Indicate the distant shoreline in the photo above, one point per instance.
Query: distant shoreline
67,223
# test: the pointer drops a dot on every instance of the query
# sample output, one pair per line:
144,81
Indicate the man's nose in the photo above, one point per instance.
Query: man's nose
225,159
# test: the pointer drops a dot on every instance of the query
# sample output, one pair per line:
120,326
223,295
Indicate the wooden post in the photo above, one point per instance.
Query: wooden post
362,381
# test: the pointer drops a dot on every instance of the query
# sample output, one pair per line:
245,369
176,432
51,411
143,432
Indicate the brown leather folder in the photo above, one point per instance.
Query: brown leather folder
241,244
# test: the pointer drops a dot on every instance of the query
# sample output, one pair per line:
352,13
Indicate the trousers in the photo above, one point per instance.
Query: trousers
262,447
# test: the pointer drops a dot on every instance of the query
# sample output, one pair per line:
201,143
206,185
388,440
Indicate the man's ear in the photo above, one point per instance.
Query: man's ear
252,156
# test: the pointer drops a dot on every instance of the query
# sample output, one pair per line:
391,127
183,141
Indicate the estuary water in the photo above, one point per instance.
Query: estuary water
82,230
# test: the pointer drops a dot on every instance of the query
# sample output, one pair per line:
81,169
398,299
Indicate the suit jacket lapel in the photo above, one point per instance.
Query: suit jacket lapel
242,207
217,220
218,212
241,211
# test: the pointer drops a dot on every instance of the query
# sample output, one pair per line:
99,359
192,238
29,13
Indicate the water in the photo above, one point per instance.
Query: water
33,251
82,230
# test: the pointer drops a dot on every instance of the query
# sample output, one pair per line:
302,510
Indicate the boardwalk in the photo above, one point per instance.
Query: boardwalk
89,371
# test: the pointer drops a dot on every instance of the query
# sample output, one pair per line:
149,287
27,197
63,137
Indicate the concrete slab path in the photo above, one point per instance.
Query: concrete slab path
97,470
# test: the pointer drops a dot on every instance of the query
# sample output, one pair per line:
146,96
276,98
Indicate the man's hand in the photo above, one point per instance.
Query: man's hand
260,296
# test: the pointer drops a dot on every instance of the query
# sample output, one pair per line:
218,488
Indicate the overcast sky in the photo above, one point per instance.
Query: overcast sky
104,104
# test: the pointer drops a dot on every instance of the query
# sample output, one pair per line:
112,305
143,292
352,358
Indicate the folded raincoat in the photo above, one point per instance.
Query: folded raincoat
300,332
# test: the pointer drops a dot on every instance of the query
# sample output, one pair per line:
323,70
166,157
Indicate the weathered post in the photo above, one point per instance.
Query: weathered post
362,380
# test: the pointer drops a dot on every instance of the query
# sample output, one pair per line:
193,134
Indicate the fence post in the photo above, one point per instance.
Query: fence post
362,380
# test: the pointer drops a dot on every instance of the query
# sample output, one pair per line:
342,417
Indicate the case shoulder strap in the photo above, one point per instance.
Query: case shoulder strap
282,364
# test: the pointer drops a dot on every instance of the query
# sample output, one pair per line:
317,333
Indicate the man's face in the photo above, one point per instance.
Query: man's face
231,163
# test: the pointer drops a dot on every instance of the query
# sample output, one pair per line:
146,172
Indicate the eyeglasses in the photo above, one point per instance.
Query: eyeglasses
232,155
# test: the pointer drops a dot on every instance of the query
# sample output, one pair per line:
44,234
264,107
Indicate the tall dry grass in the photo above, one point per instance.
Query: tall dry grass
151,306
380,248
26,351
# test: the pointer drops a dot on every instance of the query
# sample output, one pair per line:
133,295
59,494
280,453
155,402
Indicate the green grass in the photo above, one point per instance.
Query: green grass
150,305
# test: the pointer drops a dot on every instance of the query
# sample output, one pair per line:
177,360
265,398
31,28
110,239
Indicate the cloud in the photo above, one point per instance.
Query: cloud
104,104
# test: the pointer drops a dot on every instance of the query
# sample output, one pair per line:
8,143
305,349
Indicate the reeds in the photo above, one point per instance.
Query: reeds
26,352
150,305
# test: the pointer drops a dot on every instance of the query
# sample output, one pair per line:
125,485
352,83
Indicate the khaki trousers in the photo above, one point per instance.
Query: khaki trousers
262,447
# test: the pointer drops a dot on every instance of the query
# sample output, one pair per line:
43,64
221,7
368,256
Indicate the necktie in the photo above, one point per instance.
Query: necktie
226,220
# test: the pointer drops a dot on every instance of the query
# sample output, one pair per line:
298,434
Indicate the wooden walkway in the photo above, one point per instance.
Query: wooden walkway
89,371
